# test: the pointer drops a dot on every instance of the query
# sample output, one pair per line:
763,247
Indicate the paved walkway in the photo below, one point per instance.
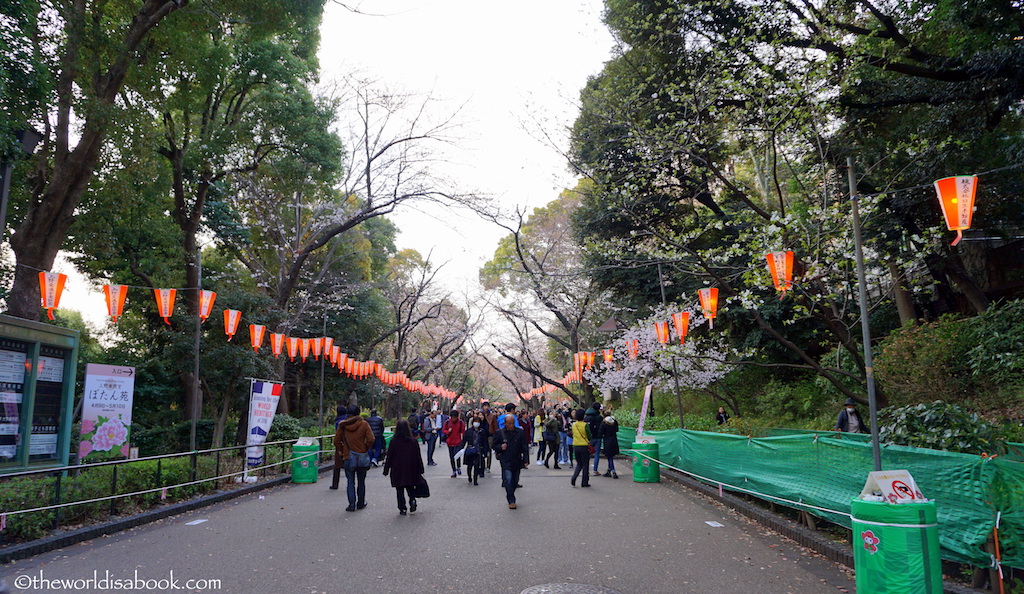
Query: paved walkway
625,536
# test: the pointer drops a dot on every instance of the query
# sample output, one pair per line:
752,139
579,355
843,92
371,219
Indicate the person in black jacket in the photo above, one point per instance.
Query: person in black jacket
593,418
849,419
512,452
405,465
610,443
474,440
377,426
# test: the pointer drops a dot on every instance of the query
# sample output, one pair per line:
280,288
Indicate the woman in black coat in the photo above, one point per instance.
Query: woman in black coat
405,465
610,443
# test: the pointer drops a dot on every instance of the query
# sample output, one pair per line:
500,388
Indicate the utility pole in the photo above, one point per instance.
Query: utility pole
194,413
862,292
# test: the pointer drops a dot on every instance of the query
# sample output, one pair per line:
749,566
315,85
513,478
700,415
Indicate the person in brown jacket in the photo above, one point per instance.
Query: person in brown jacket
354,436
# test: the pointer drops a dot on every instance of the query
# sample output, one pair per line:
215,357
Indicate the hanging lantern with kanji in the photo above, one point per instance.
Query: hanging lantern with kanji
294,344
609,355
115,296
304,346
681,320
51,285
709,303
206,299
231,319
256,336
317,344
165,303
780,264
633,346
276,343
956,196
589,359
661,329
328,345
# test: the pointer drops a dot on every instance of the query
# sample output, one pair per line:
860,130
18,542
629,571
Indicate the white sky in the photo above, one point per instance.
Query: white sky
514,69
508,65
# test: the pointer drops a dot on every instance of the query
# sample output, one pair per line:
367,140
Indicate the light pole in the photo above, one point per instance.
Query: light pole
28,139
862,291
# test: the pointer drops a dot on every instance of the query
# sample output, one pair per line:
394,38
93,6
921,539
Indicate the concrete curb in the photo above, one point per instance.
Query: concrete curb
58,541
788,528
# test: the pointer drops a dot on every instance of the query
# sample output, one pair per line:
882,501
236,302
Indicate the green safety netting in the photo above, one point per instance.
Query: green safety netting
827,470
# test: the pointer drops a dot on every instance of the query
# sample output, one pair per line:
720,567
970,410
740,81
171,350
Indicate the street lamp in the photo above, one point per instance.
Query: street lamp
28,139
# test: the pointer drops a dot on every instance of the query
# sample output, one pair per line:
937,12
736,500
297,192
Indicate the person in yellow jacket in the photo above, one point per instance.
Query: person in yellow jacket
581,448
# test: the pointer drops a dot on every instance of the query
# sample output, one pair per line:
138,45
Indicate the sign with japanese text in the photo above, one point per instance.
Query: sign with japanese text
262,407
106,411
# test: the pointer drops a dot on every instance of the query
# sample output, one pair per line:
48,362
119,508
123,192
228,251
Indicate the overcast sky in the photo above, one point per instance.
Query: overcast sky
514,68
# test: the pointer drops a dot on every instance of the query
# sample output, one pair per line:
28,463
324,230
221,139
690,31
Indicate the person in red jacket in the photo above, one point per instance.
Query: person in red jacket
454,429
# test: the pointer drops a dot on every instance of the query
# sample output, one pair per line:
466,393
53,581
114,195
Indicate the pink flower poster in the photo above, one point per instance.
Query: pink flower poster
106,411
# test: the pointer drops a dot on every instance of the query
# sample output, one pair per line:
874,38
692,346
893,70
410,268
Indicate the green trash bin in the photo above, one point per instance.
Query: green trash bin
646,470
304,460
896,547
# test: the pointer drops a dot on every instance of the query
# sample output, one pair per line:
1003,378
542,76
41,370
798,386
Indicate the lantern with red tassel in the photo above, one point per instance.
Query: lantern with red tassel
317,344
956,196
780,264
661,329
328,345
206,299
165,303
51,285
115,296
294,344
304,348
256,336
276,343
231,319
681,320
609,355
709,303
589,359
633,346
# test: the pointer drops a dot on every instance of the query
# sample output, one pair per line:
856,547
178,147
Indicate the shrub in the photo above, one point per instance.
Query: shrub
285,427
997,336
940,426
922,363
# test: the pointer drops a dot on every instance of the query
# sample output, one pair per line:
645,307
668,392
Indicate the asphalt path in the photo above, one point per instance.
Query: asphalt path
620,535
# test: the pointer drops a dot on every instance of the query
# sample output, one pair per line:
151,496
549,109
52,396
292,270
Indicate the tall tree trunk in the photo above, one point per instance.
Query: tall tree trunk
41,234
900,294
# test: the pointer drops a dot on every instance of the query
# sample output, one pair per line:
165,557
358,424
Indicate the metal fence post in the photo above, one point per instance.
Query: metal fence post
113,489
56,500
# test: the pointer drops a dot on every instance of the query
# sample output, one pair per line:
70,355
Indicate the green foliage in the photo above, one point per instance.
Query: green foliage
285,427
997,356
30,492
921,363
940,426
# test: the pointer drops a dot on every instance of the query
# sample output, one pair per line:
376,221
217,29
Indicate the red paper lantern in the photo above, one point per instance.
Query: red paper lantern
956,196
318,345
206,299
165,303
294,344
304,347
51,285
609,355
115,296
589,359
780,264
276,343
256,336
328,345
709,303
681,320
231,319
661,329
633,346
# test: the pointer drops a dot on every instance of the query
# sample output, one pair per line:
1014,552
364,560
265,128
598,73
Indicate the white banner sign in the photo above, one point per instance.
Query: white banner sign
106,411
643,417
263,400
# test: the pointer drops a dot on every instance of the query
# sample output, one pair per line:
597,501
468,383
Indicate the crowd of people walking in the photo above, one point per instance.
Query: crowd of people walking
576,438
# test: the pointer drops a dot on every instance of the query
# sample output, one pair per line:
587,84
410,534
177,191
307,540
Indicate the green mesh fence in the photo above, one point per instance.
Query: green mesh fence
827,470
